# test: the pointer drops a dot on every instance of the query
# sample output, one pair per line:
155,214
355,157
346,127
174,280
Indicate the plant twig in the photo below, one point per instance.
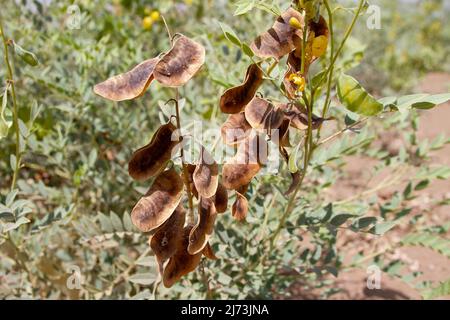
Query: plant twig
338,133
10,80
330,76
191,216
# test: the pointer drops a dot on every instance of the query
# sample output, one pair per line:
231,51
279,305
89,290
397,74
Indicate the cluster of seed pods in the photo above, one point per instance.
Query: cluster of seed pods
177,242
249,113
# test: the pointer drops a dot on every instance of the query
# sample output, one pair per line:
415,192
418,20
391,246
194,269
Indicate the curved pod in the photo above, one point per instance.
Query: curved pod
153,209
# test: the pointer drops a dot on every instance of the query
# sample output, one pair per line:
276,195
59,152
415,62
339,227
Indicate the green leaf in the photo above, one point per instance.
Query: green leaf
127,223
247,50
382,227
12,226
292,162
27,56
92,157
432,101
147,261
11,197
5,115
224,279
105,223
243,7
355,98
441,290
364,222
23,129
116,222
340,219
429,241
230,34
143,295
416,101
142,278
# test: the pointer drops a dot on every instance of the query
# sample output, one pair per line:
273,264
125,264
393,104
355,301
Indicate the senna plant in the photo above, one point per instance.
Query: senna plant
299,37
91,209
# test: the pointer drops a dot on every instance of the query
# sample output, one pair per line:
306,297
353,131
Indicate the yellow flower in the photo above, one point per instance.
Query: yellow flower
147,23
319,46
295,23
155,15
299,81
188,2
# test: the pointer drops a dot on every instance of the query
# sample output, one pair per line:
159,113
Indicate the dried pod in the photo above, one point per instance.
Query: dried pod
235,99
241,169
240,207
129,85
206,175
153,209
166,238
263,115
296,177
235,129
209,253
147,161
221,199
181,63
298,117
283,134
190,171
280,39
205,226
182,262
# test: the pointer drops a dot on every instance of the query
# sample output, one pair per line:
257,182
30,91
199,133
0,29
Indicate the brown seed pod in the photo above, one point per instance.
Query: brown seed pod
280,39
191,169
165,240
298,117
129,85
241,169
235,99
153,209
240,207
181,263
181,63
221,199
147,161
283,134
201,232
235,129
294,183
206,175
296,176
209,253
263,115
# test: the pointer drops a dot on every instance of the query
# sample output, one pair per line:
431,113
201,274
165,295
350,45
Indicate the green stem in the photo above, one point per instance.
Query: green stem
15,107
191,216
330,76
